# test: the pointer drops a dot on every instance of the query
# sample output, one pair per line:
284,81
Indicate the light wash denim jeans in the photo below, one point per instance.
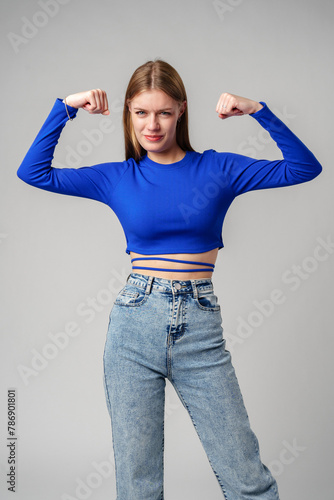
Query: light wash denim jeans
162,328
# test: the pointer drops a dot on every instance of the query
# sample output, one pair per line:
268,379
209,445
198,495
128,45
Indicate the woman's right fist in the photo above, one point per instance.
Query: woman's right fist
94,101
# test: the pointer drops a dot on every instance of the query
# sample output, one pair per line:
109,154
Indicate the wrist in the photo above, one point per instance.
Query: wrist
67,102
68,114
257,107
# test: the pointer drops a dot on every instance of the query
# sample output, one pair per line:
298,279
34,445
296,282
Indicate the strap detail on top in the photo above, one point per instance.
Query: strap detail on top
175,260
174,270
212,266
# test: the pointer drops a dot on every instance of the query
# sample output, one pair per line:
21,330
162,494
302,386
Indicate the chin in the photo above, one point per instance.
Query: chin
155,148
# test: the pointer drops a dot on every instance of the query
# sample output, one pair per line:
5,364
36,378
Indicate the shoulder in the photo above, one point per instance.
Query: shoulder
213,156
206,155
212,160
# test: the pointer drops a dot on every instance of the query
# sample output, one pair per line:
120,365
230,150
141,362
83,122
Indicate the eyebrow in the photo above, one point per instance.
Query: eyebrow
163,109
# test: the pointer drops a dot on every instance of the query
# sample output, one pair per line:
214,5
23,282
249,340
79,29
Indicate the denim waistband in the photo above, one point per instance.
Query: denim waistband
152,283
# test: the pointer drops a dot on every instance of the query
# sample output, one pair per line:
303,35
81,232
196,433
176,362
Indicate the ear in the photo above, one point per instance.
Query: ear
183,106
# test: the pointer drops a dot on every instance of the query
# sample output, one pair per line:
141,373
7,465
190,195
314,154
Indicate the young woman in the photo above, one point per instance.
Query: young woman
166,320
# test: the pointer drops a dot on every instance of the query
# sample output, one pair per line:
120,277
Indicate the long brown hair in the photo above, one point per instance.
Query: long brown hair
158,75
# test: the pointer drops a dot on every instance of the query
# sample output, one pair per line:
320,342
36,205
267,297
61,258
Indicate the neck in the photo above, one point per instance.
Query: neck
166,157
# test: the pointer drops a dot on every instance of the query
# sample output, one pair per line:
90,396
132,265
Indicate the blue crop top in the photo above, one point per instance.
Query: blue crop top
169,208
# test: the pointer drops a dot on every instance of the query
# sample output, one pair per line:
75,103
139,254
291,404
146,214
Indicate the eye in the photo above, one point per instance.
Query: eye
165,113
140,113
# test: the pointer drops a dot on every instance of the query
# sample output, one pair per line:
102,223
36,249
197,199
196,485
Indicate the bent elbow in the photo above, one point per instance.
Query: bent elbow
23,174
316,170
307,171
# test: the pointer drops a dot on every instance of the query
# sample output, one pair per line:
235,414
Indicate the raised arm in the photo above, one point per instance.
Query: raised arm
93,182
298,164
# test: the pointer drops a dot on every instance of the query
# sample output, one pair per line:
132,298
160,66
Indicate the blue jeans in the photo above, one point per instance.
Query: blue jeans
162,328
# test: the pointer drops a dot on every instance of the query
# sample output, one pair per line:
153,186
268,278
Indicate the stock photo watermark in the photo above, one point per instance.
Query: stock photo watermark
31,27
59,341
3,236
288,454
223,8
101,471
92,138
293,279
212,189
11,439
84,488
201,198
89,308
255,144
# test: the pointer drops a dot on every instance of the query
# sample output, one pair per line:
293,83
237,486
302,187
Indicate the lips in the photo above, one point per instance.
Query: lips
153,138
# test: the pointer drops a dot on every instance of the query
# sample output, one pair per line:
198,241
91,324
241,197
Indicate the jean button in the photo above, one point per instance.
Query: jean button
177,286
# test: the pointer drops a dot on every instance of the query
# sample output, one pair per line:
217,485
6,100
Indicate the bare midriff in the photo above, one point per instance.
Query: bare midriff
185,271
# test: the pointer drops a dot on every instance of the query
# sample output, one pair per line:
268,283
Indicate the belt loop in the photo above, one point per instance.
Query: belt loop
195,292
149,285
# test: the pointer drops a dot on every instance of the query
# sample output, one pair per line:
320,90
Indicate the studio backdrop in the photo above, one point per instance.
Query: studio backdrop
63,259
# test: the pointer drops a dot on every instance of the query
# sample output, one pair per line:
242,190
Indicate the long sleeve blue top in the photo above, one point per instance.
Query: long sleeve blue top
170,208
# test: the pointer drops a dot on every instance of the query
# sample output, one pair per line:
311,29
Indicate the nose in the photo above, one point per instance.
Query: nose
153,123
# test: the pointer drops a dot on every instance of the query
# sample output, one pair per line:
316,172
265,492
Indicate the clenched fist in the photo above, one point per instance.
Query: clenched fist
94,101
234,105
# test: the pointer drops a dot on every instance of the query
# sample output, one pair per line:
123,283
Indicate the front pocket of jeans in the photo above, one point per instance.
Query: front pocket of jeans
131,296
207,301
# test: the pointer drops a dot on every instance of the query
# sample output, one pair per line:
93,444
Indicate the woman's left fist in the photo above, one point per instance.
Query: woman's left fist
234,105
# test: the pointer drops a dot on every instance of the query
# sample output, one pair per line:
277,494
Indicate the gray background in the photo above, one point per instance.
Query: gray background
59,254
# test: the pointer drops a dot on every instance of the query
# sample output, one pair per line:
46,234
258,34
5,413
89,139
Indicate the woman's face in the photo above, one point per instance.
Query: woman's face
154,117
